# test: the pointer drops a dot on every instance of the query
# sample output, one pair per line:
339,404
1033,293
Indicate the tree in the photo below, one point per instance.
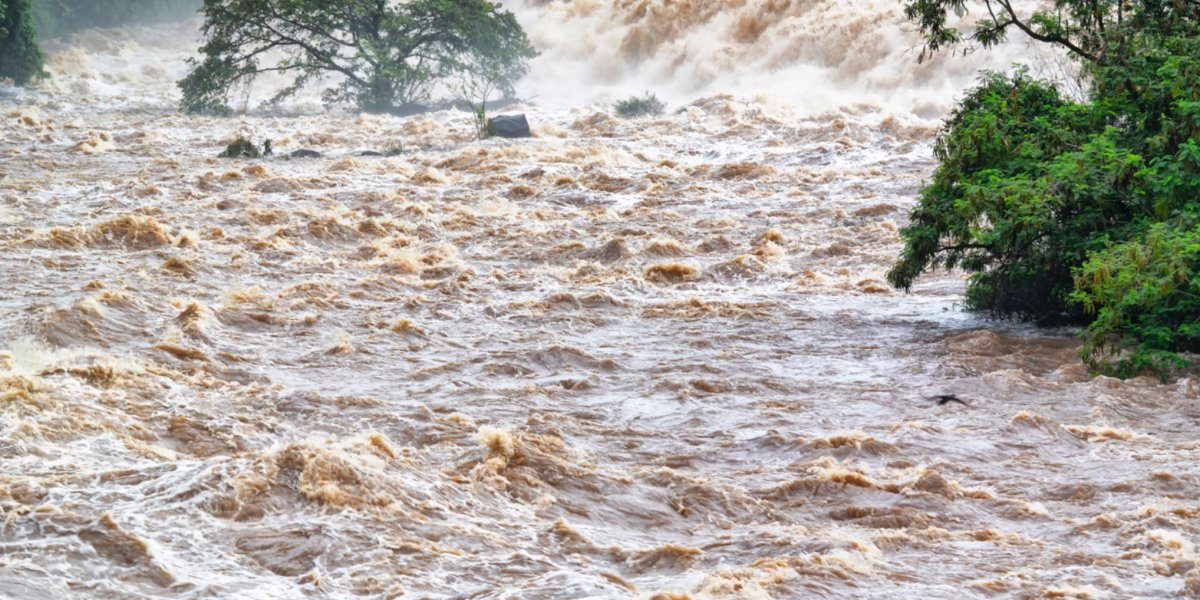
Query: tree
20,57
1096,32
389,57
1074,211
1077,25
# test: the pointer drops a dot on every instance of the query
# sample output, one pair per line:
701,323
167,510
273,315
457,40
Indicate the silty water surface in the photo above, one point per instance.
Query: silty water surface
624,359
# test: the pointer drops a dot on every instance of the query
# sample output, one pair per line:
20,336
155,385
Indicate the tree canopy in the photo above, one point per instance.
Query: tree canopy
387,57
1089,29
1067,211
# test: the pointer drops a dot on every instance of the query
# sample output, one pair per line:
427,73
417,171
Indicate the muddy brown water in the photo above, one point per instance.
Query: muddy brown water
645,359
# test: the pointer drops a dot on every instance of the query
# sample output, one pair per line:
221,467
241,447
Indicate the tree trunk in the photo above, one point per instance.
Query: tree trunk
380,97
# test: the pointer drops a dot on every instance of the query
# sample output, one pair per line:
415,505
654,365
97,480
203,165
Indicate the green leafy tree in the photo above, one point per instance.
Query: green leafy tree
994,207
20,57
388,57
1074,211
1077,25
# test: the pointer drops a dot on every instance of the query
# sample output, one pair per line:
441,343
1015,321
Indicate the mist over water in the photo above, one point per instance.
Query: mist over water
648,359
811,56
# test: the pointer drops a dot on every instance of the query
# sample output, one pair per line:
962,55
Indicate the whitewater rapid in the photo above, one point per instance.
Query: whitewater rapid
649,359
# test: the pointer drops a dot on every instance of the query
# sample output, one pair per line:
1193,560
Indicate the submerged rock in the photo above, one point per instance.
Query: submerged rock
305,153
508,126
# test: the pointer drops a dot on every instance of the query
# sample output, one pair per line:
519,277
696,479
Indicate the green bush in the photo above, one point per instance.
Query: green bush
244,147
647,105
1068,211
998,207
1145,294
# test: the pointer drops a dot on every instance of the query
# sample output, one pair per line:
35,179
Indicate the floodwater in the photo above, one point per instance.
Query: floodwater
649,359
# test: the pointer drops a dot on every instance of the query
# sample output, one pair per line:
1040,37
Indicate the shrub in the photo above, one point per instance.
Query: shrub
645,106
1011,202
243,147
1145,294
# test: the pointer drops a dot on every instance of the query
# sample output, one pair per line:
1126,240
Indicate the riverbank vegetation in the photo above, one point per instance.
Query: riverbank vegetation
1074,212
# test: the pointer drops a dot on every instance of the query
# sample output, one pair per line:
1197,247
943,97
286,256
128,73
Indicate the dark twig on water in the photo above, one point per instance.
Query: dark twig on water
944,399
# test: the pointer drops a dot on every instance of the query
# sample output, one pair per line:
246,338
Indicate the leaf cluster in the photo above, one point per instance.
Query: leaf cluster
1081,212
1145,295
1076,25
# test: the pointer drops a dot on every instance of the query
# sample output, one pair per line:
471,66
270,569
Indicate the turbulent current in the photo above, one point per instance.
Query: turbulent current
649,359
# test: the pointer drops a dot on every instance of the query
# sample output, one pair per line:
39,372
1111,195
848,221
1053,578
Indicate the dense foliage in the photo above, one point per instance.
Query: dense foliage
388,57
1076,211
995,207
20,58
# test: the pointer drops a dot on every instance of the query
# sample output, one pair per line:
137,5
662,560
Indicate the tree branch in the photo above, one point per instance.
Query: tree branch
1052,39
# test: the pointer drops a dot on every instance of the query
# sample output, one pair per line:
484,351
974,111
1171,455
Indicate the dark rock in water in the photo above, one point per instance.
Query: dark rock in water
508,126
305,153
370,153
